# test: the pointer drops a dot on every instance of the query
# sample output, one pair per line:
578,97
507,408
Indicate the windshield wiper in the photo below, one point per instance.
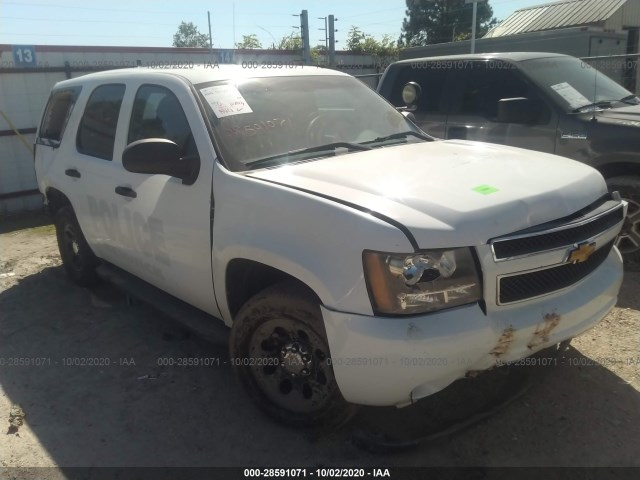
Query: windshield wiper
628,99
329,147
394,136
601,104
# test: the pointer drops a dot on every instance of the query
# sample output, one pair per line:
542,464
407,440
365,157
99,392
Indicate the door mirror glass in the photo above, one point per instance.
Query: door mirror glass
517,110
160,156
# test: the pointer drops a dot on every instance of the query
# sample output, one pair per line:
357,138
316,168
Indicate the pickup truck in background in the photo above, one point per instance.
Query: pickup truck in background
540,101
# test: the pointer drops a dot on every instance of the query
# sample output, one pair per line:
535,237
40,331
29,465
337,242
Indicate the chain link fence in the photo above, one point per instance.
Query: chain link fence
621,68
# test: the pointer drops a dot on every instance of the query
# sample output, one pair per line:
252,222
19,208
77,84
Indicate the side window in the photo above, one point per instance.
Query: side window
157,113
56,115
432,81
97,130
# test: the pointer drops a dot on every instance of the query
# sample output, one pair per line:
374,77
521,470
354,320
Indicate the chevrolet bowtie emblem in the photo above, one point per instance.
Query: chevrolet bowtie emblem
582,252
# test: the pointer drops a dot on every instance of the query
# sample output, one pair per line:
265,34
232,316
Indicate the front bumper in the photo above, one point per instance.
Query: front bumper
396,361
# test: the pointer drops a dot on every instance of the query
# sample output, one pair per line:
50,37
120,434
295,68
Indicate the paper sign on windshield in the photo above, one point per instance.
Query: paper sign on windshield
573,97
226,100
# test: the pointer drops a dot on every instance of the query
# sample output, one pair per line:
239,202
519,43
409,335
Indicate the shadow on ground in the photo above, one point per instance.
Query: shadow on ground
127,408
12,223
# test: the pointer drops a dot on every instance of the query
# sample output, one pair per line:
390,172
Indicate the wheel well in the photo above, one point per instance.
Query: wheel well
245,278
620,168
56,200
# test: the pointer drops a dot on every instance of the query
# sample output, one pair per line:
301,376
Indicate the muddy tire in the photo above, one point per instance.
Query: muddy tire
279,352
628,242
77,258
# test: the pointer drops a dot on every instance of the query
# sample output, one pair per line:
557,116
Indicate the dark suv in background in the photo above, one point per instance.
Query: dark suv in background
539,101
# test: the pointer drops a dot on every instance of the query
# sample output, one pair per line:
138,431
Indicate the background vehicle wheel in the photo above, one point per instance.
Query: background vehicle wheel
279,351
628,242
77,258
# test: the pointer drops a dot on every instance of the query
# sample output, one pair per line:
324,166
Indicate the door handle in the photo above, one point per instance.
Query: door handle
126,192
72,172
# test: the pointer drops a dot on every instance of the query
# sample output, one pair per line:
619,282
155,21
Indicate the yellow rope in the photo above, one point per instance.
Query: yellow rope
15,130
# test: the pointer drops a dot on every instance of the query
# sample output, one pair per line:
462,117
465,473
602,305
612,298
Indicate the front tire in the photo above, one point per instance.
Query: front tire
77,258
628,242
280,354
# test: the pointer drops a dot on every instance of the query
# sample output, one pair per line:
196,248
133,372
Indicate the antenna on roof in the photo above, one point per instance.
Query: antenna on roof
595,92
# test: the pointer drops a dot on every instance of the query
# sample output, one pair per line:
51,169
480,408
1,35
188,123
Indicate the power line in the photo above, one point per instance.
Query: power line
369,13
126,10
35,19
84,36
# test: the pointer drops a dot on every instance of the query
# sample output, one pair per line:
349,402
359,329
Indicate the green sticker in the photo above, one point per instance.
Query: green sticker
485,189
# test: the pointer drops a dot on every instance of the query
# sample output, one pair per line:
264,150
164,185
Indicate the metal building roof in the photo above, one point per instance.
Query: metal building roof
567,13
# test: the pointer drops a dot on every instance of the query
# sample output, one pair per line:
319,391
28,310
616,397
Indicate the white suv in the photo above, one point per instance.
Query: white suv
356,259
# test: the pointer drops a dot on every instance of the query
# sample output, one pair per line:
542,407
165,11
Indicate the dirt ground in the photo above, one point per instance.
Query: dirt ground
585,411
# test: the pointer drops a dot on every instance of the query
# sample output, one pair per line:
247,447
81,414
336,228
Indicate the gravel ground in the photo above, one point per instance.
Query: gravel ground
583,411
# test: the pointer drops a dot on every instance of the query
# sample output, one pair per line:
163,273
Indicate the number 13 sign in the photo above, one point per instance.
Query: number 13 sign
24,55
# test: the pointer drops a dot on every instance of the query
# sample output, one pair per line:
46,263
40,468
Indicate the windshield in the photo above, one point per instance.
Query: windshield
576,84
277,117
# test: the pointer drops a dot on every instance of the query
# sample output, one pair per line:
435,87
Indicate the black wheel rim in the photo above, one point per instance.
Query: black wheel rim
71,247
629,239
288,361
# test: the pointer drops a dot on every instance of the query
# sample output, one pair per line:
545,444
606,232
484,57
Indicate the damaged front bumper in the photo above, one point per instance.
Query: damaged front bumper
396,361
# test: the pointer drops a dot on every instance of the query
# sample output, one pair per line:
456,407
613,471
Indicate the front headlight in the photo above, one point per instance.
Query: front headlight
421,282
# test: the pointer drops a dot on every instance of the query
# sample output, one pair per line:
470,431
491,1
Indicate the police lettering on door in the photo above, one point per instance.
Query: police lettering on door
133,231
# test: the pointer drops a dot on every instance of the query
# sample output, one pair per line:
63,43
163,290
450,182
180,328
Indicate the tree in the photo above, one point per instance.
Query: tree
249,42
294,42
289,42
439,21
189,36
383,51
354,39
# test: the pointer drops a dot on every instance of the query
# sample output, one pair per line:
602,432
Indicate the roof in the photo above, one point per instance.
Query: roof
205,73
567,13
510,56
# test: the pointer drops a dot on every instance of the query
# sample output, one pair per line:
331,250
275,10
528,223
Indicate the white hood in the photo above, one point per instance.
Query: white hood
434,188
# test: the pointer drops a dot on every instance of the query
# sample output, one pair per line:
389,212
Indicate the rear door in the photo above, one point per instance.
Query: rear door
93,169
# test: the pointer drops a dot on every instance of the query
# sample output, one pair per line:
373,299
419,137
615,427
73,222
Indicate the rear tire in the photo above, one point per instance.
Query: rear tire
280,354
77,258
628,242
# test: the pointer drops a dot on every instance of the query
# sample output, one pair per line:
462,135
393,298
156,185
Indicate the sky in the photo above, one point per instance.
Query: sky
153,23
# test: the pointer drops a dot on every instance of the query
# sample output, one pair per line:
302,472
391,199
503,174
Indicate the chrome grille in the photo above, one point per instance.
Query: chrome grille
558,234
534,284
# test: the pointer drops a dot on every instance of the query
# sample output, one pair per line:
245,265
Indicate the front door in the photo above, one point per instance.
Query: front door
165,222
477,90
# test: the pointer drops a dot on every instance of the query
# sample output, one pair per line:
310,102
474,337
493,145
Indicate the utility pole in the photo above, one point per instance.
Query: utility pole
475,21
326,38
304,27
326,33
332,41
210,38
473,27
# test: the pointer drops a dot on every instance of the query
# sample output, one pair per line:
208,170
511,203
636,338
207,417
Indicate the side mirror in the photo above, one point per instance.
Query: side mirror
160,156
411,93
517,110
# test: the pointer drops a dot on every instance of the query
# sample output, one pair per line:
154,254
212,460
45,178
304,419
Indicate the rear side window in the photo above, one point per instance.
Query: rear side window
97,130
56,115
